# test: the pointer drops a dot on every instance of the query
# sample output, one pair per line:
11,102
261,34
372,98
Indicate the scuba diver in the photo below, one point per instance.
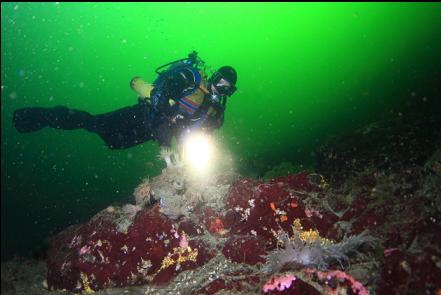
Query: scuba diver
182,99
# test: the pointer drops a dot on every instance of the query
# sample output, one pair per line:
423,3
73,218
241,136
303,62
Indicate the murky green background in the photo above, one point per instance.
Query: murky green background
306,71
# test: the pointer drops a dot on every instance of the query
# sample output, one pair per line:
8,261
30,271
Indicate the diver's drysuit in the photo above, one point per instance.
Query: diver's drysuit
119,129
149,119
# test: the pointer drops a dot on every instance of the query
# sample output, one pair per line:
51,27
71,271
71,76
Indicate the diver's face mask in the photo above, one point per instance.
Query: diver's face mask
221,85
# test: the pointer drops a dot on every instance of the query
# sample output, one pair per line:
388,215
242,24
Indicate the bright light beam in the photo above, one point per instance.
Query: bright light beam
198,151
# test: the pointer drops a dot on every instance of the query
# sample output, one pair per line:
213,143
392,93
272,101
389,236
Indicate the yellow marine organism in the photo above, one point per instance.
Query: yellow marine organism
179,256
86,284
318,180
309,236
296,225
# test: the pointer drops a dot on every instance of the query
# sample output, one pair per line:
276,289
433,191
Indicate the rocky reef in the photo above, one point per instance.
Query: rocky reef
366,221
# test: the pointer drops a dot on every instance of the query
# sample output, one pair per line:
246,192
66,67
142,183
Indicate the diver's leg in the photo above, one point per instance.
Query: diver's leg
122,128
33,119
119,129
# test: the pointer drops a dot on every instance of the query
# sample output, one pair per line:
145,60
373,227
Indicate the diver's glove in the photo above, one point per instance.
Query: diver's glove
214,98
217,101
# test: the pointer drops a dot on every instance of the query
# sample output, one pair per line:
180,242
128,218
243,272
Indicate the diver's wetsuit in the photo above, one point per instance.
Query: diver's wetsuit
119,129
132,125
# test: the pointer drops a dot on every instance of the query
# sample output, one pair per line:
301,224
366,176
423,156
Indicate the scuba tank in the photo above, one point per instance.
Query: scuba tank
192,64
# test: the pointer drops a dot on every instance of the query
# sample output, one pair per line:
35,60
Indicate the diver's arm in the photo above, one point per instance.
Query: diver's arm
215,121
206,121
171,89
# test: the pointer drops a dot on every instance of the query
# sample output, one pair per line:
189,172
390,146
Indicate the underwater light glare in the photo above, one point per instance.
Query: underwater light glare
198,151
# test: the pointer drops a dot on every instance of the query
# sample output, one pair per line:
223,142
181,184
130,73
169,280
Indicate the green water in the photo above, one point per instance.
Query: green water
306,71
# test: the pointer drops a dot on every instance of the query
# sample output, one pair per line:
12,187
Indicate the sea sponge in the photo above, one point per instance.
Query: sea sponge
279,283
142,193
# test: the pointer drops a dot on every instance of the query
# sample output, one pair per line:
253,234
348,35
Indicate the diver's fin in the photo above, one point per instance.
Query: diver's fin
141,87
29,119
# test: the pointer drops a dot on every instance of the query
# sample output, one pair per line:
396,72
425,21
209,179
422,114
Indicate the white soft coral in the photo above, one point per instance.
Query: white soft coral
171,157
299,254
166,154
